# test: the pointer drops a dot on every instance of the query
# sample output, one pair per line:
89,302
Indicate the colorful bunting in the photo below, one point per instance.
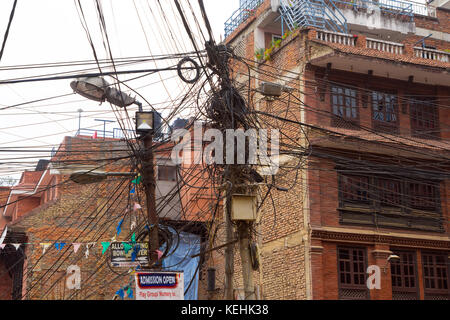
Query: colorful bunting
16,245
2,246
133,190
130,293
137,206
59,245
127,247
137,180
160,253
45,246
119,230
133,238
76,246
120,293
105,246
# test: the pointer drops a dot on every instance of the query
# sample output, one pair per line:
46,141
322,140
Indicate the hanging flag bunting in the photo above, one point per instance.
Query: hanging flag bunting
59,245
137,180
130,293
45,246
105,246
120,293
133,238
2,246
86,253
137,206
76,246
133,225
119,230
160,253
133,190
16,245
127,247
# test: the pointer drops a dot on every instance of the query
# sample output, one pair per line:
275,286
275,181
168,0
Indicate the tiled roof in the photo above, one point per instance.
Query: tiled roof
367,52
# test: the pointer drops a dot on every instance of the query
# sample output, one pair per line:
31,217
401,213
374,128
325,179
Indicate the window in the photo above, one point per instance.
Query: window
384,106
435,276
424,119
355,188
424,196
389,191
389,202
352,273
167,173
344,105
404,276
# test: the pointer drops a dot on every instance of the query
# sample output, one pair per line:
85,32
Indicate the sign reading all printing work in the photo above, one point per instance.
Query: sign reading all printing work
160,286
121,258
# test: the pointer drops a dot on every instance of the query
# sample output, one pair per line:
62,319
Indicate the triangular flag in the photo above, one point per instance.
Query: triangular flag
127,247
133,238
59,245
130,293
133,190
160,253
76,246
105,246
86,253
119,230
45,246
137,180
137,206
120,293
16,245
133,225
2,246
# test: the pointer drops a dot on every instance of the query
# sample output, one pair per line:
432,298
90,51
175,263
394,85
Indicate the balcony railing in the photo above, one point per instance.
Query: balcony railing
394,7
336,37
432,54
381,45
245,11
117,133
386,46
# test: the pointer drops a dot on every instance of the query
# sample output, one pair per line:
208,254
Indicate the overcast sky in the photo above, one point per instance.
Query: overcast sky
50,31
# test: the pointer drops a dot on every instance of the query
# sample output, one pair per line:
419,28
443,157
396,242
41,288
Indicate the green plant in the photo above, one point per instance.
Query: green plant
447,50
259,54
277,43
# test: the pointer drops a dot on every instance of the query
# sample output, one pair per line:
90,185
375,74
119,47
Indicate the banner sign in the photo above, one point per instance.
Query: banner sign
137,255
160,286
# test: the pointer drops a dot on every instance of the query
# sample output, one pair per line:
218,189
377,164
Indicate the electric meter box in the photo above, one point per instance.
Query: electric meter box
243,207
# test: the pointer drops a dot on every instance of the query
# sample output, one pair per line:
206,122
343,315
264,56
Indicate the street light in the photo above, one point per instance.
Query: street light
93,88
97,89
88,176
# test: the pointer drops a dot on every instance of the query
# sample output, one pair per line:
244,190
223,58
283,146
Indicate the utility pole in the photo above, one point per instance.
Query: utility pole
229,254
149,186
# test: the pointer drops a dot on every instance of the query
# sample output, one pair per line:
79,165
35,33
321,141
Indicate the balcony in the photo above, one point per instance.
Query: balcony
389,17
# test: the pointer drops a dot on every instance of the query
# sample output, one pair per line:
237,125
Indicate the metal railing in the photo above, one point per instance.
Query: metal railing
432,54
386,46
117,133
245,11
336,37
395,7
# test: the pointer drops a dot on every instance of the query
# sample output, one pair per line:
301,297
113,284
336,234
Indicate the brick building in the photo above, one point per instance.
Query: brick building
371,83
47,207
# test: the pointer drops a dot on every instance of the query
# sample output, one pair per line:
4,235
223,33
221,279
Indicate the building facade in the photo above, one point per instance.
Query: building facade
370,85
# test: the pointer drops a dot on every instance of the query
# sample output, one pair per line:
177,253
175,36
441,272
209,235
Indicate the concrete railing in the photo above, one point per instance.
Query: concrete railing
386,46
336,37
432,54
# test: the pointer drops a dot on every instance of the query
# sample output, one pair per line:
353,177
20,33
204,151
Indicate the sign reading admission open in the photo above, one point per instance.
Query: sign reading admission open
160,286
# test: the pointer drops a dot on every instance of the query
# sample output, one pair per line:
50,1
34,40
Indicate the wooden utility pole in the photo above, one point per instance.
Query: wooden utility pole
149,182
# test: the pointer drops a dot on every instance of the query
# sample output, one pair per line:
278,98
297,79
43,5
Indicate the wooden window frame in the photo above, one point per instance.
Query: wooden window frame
344,120
417,110
412,292
433,292
384,125
361,287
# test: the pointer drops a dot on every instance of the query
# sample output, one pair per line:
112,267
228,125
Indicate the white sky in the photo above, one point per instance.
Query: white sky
50,31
